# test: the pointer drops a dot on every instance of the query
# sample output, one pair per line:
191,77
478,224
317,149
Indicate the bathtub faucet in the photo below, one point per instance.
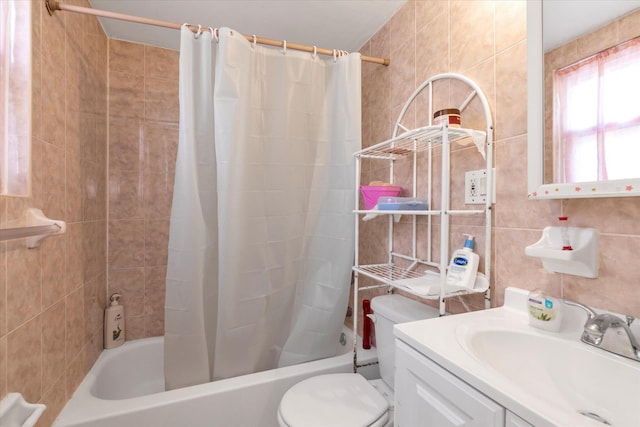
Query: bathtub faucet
609,332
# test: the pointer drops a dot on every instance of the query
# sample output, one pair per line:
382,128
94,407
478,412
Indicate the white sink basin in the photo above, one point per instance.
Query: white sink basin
567,374
549,379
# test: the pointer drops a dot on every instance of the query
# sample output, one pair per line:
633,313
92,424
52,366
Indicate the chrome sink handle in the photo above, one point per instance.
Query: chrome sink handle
593,328
592,314
609,332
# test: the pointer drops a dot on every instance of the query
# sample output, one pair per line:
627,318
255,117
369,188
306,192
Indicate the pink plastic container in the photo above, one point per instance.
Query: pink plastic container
370,194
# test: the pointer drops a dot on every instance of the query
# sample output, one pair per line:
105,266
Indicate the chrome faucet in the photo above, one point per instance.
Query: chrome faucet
609,332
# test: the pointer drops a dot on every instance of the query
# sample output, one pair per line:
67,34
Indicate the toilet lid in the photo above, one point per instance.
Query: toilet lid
332,400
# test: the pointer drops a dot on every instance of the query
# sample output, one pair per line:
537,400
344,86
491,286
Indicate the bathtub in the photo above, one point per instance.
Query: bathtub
125,388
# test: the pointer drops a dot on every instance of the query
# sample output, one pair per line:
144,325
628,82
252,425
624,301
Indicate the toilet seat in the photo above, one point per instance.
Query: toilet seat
333,400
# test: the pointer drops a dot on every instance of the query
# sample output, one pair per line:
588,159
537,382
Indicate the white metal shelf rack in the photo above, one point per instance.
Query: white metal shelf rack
423,274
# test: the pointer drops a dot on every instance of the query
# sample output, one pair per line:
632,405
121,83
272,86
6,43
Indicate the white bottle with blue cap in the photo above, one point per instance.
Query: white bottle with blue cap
463,267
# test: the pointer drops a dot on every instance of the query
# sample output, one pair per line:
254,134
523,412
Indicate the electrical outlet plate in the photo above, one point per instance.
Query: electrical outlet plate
475,187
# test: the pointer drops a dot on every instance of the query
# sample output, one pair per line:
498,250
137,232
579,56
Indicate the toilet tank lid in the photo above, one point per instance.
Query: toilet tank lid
401,309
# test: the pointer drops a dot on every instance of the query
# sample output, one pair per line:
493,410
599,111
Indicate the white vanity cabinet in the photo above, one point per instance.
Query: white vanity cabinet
513,420
428,395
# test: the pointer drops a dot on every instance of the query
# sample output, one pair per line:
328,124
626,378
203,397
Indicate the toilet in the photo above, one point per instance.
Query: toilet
348,399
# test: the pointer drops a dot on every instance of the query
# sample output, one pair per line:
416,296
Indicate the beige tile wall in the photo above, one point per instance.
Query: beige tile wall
483,40
486,41
143,139
52,298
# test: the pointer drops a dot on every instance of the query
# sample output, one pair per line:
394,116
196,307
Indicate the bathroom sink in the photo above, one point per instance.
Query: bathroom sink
564,373
549,379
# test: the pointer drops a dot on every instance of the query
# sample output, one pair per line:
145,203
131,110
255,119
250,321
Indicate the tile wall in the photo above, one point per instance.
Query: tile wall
486,41
52,298
143,140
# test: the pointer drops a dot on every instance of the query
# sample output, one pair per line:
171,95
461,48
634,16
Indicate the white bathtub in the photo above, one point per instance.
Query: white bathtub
125,388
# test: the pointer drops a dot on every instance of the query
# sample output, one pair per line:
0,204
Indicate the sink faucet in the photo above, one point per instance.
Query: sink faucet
609,332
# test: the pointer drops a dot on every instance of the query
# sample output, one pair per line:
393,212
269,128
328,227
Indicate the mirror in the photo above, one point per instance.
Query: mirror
541,185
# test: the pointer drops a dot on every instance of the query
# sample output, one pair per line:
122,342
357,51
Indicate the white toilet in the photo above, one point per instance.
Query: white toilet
350,400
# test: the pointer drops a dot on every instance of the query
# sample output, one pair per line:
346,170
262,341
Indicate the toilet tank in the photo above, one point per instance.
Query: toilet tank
390,310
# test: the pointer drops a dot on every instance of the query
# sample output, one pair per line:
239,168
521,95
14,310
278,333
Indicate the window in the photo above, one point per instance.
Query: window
15,97
597,116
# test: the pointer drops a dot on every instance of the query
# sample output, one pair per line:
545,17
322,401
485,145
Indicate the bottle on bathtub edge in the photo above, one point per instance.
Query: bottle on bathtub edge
114,323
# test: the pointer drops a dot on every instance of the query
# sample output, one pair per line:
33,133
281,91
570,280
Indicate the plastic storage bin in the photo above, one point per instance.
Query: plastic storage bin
402,204
371,193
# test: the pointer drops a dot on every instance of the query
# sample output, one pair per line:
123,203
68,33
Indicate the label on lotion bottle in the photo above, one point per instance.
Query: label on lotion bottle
544,311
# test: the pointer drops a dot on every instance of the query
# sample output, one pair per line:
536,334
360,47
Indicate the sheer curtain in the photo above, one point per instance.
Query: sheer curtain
286,125
597,117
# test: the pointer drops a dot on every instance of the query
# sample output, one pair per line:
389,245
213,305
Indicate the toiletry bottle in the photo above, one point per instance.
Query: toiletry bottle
545,312
114,323
463,267
366,324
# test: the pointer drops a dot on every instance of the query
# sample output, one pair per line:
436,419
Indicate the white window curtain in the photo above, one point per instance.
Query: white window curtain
286,125
597,116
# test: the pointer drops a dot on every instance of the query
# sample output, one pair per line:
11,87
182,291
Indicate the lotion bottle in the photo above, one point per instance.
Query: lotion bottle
114,323
463,267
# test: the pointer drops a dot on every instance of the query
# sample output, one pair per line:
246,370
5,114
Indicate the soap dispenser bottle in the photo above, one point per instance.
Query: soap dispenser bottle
463,267
114,323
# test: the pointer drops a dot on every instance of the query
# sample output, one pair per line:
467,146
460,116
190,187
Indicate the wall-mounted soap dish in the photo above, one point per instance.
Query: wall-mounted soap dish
17,412
582,260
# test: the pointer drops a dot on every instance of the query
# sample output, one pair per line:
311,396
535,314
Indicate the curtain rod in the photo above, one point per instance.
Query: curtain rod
53,5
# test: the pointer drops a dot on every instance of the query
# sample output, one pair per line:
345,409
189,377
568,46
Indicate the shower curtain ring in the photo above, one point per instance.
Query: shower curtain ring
284,47
315,52
216,34
212,32
199,32
335,57
255,40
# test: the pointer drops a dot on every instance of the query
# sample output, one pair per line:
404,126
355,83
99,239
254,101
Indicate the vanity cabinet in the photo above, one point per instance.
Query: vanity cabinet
428,395
513,420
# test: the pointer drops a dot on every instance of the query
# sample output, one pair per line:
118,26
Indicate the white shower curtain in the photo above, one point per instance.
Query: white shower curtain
191,287
275,293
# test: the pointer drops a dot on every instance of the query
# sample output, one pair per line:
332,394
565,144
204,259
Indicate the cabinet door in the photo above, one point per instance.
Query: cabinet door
515,421
427,395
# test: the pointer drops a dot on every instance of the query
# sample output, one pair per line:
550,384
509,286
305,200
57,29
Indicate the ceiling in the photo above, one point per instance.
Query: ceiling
330,24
